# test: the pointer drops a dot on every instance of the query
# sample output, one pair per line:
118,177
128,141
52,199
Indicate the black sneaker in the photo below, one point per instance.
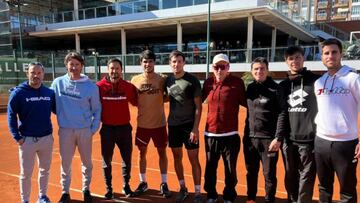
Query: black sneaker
109,194
164,190
143,187
87,196
198,198
65,198
182,195
127,191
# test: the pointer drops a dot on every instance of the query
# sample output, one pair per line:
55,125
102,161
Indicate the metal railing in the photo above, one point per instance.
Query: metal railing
119,8
288,11
56,60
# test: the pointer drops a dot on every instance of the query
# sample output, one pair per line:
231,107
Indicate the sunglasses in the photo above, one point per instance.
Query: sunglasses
35,64
221,67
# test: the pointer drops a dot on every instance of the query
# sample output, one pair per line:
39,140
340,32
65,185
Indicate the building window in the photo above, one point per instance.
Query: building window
169,4
200,2
185,3
126,8
153,5
355,10
140,6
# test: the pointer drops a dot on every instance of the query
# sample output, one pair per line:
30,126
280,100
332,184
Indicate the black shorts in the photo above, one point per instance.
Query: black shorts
180,134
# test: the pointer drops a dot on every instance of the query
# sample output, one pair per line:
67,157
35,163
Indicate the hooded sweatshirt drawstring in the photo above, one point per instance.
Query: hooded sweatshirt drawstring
332,85
302,90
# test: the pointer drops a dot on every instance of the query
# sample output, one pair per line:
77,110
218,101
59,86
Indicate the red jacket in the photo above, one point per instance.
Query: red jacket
114,100
223,100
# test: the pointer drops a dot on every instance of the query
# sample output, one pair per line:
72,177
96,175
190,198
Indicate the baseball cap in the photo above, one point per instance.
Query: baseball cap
220,57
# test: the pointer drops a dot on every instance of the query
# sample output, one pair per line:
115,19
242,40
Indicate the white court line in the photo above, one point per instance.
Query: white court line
173,173
58,186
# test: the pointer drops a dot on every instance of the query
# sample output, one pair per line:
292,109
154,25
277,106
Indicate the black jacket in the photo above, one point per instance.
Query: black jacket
298,107
263,110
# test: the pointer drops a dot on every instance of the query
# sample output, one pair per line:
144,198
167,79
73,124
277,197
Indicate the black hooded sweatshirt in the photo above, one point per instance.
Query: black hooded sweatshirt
298,107
263,110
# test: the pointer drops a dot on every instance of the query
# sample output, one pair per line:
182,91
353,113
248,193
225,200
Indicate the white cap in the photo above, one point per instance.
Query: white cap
220,57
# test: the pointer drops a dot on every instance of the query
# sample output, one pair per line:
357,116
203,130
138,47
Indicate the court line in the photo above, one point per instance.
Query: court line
59,186
173,173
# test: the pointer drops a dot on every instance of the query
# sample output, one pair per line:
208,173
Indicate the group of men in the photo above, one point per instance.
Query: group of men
312,119
308,117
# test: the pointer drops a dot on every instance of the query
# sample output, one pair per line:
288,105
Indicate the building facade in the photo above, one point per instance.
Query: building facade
337,10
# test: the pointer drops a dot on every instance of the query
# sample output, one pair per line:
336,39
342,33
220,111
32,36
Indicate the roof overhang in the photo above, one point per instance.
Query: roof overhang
264,14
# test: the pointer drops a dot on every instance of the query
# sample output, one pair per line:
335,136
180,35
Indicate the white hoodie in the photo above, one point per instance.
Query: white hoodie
338,100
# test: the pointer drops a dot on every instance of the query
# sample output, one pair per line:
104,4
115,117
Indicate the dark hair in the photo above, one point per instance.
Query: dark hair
176,53
291,50
35,63
74,55
331,41
114,60
147,54
260,60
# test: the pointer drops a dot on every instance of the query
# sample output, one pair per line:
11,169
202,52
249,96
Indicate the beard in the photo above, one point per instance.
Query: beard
35,81
115,76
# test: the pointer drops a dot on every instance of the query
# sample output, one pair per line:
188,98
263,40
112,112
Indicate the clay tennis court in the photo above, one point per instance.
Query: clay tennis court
9,171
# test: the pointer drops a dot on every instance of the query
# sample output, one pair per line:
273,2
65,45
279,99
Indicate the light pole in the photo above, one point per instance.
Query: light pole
208,40
18,3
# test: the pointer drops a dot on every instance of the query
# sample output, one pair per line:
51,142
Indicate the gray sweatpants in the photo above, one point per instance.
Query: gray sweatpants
31,148
69,139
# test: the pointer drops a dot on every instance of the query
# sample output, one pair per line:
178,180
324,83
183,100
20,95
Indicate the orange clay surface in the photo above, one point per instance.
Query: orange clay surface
9,171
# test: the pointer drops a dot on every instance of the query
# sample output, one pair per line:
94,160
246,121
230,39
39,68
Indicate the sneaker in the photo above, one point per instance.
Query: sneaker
182,195
198,198
109,194
210,200
228,201
127,191
143,187
87,196
65,198
164,190
43,199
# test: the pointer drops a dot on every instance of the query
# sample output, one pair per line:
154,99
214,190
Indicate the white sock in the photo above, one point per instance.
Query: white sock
142,177
182,183
164,178
197,189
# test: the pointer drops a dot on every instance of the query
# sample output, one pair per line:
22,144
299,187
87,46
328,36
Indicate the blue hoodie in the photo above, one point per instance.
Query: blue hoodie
77,103
33,107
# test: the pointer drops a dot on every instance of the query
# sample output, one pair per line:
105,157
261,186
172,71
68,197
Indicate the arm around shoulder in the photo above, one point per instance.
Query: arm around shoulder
96,109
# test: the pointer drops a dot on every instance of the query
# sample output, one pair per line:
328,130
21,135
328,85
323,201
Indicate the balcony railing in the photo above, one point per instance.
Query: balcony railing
235,56
339,16
120,8
322,4
342,3
321,17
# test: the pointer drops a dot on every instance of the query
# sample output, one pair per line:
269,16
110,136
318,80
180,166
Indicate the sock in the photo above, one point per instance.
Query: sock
142,177
197,189
164,178
182,183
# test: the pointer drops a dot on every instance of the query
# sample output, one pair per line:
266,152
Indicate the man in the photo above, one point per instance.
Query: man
337,147
196,52
296,121
261,144
184,91
115,94
224,93
32,103
151,120
78,110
